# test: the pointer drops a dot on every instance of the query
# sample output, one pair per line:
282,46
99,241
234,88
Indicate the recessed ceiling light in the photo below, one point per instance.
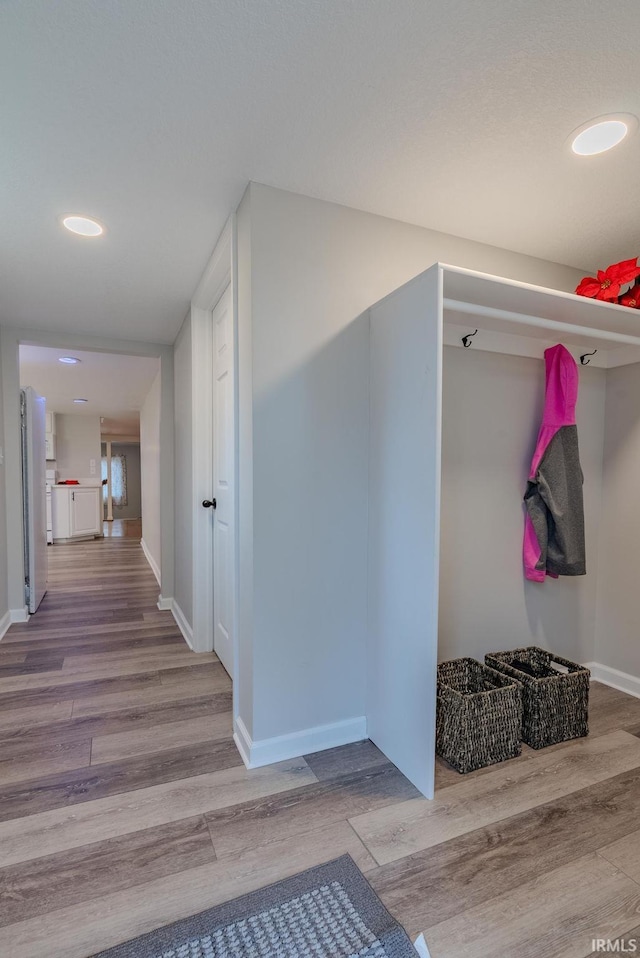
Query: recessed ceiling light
69,360
82,225
81,400
602,134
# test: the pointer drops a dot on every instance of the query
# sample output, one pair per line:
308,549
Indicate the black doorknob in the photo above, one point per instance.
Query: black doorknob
209,503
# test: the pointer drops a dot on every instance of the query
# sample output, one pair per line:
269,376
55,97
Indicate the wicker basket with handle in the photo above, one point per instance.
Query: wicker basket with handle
479,715
555,701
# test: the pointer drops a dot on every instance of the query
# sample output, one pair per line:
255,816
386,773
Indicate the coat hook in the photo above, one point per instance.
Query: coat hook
466,340
583,359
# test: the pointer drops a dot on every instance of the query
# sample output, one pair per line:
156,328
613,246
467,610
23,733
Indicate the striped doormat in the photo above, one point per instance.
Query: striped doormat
329,911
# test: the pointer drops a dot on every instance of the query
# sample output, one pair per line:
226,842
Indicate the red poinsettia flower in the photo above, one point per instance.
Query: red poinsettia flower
631,298
608,282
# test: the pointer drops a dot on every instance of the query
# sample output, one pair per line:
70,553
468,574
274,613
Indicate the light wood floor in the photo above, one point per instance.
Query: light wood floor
129,528
124,804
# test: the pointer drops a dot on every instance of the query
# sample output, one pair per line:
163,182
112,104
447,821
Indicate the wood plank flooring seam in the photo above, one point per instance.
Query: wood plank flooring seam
506,925
322,802
89,783
163,693
182,733
621,868
464,871
20,767
63,828
364,845
62,728
21,685
601,853
395,832
43,885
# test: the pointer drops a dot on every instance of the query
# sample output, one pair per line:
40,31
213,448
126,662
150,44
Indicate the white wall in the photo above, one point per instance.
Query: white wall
182,359
78,444
492,409
12,471
150,472
618,641
4,600
307,271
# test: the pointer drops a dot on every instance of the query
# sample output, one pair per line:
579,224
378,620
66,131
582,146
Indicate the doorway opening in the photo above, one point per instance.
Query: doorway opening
121,486
101,448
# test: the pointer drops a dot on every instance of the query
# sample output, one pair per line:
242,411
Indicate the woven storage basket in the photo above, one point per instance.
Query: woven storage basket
479,715
556,705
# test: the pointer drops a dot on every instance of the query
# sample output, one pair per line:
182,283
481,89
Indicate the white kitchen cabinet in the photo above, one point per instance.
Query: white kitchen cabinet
76,511
85,511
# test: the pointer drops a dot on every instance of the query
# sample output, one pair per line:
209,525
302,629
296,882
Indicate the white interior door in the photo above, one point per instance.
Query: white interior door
223,482
35,496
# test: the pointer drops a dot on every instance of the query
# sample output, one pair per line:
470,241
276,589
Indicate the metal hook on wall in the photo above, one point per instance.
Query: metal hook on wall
466,340
583,359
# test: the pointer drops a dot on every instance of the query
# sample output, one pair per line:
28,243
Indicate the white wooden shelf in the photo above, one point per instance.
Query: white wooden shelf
521,319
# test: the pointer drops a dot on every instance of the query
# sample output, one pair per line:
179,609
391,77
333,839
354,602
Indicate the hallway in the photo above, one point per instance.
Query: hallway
100,696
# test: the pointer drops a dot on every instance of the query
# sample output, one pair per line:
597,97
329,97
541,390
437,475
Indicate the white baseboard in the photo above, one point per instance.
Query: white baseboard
622,681
11,616
181,622
5,622
166,604
243,741
152,562
283,747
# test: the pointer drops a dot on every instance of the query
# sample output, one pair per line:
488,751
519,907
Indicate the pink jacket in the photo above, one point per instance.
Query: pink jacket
554,524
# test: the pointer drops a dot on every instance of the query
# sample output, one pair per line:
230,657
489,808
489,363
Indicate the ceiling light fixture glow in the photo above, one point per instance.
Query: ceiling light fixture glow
82,225
80,400
69,360
602,134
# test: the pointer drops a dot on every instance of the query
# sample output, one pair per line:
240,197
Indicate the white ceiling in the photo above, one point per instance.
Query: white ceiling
116,386
152,115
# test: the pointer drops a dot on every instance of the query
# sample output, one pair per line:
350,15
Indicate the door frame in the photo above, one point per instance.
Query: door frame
220,274
11,339
33,474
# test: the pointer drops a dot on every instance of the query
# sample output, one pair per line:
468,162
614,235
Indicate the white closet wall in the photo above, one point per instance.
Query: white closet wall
491,411
618,622
404,481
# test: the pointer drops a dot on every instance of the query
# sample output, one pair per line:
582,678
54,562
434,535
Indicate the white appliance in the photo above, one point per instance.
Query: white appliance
36,560
51,477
